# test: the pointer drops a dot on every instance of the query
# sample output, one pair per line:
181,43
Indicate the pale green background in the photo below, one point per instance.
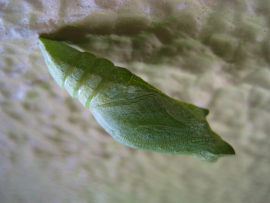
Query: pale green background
214,54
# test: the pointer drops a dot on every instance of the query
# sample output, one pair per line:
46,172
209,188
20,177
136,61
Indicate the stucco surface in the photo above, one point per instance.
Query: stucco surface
214,54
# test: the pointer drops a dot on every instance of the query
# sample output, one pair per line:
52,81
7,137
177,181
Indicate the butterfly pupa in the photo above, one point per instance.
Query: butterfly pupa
131,110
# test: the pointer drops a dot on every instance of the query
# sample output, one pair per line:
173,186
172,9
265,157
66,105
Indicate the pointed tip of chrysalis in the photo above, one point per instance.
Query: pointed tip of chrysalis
217,149
224,148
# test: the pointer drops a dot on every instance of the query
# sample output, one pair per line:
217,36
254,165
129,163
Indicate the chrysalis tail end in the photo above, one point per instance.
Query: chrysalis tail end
217,149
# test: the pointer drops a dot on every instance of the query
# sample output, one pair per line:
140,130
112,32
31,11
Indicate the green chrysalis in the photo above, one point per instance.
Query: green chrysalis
132,111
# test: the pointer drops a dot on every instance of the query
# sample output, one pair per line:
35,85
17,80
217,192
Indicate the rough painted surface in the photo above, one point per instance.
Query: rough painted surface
214,54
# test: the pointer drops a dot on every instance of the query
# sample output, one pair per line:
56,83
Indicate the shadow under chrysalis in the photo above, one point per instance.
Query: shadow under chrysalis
132,111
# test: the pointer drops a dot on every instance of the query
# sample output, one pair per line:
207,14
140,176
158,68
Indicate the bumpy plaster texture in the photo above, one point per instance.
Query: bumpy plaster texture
214,54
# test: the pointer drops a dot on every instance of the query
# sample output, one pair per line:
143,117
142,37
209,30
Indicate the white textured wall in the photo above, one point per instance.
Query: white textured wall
214,54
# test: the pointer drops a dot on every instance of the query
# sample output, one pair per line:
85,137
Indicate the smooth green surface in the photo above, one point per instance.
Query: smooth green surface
132,111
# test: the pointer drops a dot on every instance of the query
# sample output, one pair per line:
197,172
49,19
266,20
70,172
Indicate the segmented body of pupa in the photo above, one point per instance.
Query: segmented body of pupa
132,111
